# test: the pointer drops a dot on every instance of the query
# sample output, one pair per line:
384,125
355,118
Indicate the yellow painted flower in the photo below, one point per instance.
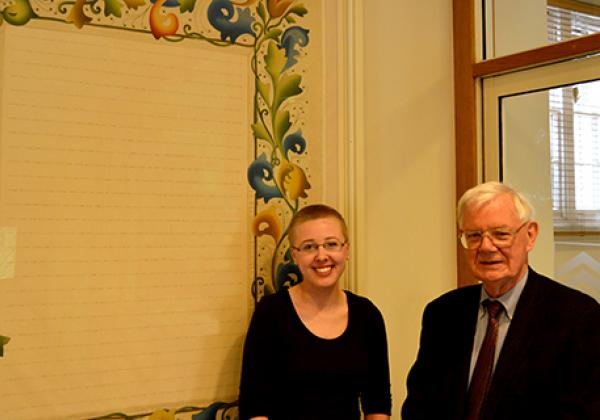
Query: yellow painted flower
163,414
77,16
292,181
267,223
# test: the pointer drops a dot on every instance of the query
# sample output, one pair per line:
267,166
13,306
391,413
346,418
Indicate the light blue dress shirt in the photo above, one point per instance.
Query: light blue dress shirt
509,303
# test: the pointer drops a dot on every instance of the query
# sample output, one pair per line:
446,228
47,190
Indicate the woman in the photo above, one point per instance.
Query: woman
313,351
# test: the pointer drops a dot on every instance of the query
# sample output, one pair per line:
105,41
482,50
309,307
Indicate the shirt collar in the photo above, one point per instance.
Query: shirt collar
509,299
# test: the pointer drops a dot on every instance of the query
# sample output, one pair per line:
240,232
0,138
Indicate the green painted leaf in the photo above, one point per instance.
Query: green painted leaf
282,125
273,33
112,7
274,61
288,86
264,91
3,341
298,9
186,5
260,131
290,19
18,12
261,11
134,4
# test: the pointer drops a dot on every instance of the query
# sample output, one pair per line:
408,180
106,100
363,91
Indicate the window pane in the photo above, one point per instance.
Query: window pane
574,123
511,26
586,191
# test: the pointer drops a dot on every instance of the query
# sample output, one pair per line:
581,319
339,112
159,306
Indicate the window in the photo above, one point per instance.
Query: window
575,134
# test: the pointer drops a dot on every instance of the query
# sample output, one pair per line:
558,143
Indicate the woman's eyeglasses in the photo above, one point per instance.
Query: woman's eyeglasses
332,245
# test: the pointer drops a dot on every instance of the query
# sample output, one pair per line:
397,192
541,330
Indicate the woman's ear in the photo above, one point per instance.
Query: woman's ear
293,254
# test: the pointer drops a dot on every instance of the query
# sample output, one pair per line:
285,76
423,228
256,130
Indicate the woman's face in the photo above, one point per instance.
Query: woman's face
320,267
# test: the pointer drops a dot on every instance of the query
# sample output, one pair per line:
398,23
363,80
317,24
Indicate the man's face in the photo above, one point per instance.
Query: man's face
498,268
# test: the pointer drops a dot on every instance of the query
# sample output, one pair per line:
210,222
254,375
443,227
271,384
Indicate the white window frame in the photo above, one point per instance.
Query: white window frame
540,78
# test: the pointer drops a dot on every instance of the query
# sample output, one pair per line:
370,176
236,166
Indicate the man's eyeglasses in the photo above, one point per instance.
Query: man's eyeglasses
500,237
332,245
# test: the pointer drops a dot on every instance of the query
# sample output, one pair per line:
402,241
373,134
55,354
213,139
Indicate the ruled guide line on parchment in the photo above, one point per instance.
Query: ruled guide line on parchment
122,183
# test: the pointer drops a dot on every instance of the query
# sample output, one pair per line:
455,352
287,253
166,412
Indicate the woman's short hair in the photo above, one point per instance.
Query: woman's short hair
484,193
314,212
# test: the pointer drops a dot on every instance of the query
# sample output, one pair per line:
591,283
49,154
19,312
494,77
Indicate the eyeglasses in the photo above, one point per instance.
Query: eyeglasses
332,245
500,237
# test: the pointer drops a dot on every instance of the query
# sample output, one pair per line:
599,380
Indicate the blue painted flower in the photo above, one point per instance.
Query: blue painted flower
260,288
295,143
260,171
288,275
168,3
210,412
293,36
220,15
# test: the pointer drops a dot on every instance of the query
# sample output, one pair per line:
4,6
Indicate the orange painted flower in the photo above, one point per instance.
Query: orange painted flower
244,2
162,24
278,7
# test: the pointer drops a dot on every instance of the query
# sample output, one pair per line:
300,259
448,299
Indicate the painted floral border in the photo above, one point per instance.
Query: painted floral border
272,30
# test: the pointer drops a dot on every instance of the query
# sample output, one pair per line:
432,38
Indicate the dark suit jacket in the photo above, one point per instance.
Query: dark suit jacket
548,368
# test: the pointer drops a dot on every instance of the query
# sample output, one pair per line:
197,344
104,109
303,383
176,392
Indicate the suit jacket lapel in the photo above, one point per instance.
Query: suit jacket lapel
465,345
512,358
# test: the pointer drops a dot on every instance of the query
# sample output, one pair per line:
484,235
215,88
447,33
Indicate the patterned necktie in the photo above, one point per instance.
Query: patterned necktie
482,374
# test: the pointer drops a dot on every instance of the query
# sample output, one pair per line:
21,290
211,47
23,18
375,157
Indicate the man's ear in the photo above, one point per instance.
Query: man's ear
532,233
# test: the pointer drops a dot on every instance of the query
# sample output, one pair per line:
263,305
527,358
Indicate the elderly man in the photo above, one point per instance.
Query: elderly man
516,346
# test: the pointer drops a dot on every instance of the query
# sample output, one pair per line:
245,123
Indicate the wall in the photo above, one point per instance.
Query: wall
578,263
406,228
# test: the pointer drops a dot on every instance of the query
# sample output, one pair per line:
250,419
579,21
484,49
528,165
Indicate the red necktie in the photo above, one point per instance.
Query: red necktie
482,374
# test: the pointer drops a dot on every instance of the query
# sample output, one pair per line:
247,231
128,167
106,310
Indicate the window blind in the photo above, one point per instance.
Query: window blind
574,134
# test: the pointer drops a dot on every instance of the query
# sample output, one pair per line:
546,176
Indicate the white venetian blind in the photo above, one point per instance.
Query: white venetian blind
575,134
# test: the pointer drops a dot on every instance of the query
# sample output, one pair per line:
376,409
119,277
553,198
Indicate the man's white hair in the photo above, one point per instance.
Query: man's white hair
486,192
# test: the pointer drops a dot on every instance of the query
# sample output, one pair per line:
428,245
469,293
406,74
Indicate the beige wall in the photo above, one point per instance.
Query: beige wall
406,236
